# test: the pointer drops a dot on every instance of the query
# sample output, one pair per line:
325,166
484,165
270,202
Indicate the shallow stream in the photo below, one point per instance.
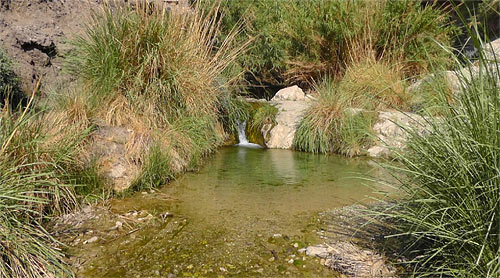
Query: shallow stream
246,212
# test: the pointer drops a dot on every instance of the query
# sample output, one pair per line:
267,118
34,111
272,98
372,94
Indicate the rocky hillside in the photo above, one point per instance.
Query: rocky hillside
36,34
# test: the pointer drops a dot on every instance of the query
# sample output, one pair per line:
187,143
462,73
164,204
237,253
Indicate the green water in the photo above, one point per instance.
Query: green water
225,216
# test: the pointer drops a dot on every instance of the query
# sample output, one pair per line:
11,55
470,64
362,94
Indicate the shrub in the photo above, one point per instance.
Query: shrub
450,215
302,41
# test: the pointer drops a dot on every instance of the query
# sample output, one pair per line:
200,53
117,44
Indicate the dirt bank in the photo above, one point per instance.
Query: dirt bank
35,34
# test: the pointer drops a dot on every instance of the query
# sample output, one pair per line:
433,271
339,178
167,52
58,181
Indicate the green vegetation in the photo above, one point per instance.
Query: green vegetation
341,119
233,110
450,216
264,114
301,41
38,160
332,124
9,81
158,73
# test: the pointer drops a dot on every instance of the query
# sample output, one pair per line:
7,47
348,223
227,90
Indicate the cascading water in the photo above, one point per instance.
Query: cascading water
242,138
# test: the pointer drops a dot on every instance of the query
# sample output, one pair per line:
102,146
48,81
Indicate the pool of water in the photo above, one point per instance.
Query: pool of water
246,212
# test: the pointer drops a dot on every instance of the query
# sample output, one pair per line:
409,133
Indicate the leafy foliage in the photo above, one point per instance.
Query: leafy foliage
302,41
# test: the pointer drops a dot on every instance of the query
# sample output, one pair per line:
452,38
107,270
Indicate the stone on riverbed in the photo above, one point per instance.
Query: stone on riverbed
320,251
351,260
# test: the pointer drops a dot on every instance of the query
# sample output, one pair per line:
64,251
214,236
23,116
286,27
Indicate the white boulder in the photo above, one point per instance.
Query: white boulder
293,93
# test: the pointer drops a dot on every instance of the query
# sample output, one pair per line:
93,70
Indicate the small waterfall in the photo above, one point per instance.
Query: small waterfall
242,137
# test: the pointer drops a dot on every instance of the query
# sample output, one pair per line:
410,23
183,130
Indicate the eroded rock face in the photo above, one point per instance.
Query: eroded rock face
293,93
290,113
110,149
36,36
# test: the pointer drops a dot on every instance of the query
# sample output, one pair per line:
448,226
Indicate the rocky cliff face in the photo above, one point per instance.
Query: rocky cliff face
35,34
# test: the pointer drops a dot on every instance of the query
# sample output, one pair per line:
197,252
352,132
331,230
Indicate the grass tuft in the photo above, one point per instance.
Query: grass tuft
331,125
450,217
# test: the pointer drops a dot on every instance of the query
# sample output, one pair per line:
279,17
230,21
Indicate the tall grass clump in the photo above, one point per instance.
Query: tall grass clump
159,72
162,62
38,160
264,114
332,125
450,216
341,119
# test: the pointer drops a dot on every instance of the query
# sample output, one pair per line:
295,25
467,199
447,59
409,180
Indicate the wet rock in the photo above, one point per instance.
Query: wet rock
118,225
292,93
379,151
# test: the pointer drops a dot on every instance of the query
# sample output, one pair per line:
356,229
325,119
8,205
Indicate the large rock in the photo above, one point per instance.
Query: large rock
492,52
290,113
292,93
391,131
109,149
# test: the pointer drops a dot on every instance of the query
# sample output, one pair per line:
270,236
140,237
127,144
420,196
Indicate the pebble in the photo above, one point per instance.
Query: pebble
91,240
148,217
271,259
277,235
223,269
190,266
260,270
301,251
296,245
290,261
